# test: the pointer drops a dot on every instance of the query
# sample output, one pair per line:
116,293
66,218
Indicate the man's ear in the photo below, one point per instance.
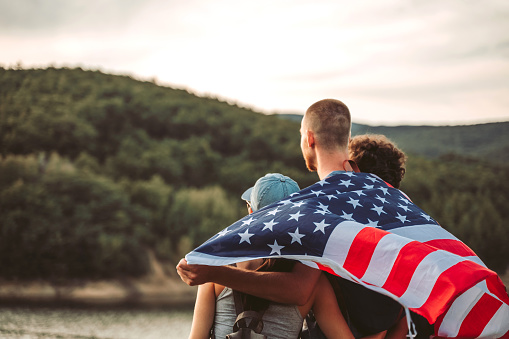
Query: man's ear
310,138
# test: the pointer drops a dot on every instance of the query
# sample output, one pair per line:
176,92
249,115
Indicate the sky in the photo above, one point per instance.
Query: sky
392,62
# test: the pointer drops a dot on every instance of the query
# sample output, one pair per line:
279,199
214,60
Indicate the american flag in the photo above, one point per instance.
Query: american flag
358,227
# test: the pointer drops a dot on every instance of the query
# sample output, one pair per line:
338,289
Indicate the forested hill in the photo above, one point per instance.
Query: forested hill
488,141
137,129
96,168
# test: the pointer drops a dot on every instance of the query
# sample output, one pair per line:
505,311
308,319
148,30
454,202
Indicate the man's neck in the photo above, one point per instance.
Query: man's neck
328,162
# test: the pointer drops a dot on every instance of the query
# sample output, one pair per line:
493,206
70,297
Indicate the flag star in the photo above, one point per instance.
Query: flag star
323,182
298,204
296,216
248,221
317,192
372,223
404,207
222,233
346,183
322,206
404,200
383,200
402,218
373,179
245,237
359,192
295,193
425,216
275,248
378,209
384,189
296,236
338,192
331,196
354,202
322,212
324,209
350,174
273,212
269,225
368,187
285,202
320,226
347,216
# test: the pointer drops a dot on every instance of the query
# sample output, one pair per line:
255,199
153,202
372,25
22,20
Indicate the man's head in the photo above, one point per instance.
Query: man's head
326,124
378,155
268,189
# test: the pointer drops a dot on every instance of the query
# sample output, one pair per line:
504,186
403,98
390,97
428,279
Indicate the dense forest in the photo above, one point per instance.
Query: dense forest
95,169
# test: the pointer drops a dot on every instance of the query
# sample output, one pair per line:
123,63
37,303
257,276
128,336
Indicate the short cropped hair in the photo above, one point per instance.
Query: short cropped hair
330,121
376,154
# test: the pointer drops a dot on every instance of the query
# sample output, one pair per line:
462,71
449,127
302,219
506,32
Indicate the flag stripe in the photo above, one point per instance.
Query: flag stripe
385,255
361,250
496,286
451,245
340,239
448,285
409,257
429,276
451,321
423,232
479,316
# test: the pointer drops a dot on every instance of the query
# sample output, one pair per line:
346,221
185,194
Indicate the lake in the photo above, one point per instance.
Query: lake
98,323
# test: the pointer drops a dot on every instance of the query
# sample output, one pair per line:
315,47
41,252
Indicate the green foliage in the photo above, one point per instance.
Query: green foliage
65,223
467,197
200,213
485,141
95,169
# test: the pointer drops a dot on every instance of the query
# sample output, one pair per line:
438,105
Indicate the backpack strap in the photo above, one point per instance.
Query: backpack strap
352,165
256,323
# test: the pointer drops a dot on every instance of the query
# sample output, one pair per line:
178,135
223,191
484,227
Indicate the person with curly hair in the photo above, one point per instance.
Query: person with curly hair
376,154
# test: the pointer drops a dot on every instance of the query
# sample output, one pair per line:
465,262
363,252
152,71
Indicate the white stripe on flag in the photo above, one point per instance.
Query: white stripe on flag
425,276
458,311
212,260
475,259
498,324
340,240
423,233
383,258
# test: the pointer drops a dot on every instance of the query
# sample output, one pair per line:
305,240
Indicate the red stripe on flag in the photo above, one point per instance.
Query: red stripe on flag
438,323
496,286
361,250
479,316
505,336
404,267
325,268
451,245
448,286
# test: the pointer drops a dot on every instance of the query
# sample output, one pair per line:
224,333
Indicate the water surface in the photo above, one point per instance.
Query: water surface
88,323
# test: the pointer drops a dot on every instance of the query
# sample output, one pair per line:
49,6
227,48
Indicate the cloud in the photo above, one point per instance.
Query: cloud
424,56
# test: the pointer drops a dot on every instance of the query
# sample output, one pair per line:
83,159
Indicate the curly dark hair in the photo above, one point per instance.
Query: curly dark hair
375,153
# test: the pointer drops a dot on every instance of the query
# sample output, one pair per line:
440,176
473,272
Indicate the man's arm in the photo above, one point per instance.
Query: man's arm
294,287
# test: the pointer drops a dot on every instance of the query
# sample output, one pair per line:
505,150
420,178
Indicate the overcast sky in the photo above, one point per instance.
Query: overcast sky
392,62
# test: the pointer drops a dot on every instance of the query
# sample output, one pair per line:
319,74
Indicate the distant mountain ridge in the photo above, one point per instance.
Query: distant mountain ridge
488,141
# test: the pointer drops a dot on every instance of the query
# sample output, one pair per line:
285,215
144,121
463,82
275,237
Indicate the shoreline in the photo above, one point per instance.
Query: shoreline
161,288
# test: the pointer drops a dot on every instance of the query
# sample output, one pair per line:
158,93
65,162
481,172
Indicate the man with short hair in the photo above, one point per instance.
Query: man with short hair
325,132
